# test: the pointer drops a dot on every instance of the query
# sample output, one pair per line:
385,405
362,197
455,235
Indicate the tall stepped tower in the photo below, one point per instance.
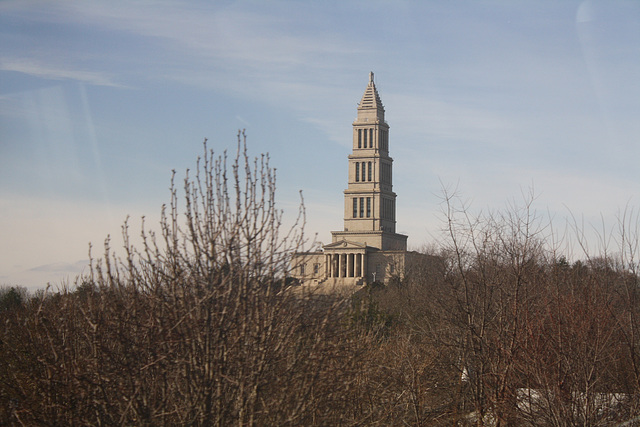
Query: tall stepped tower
368,249
369,200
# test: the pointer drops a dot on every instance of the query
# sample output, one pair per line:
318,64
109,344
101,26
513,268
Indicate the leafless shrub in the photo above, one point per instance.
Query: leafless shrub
196,327
527,323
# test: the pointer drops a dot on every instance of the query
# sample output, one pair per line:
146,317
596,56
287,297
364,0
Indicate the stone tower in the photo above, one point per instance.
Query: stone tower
369,200
368,249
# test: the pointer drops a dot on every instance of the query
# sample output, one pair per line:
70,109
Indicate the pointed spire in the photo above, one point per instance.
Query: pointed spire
371,99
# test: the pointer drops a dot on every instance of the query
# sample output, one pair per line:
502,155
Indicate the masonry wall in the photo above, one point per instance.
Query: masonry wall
308,267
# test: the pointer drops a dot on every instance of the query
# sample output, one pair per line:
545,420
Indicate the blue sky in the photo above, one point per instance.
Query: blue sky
99,101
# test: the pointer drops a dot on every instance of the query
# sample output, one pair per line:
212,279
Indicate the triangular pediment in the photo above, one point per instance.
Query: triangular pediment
344,244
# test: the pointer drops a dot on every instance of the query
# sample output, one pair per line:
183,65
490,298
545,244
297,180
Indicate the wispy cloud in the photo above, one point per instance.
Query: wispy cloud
425,117
63,267
39,69
251,51
229,35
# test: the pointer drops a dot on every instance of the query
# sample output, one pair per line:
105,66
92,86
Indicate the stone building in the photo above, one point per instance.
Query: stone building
368,249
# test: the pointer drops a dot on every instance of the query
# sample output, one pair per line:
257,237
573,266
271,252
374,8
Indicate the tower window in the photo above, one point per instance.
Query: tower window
369,172
368,207
371,138
386,208
357,171
355,207
363,171
359,138
361,207
365,138
386,173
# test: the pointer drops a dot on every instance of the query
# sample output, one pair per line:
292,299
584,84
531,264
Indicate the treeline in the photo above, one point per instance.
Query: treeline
530,338
200,326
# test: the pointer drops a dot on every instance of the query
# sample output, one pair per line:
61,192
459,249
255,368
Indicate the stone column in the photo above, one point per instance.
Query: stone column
354,271
345,271
328,262
334,265
356,267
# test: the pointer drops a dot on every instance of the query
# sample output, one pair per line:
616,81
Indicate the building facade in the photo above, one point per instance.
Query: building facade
368,249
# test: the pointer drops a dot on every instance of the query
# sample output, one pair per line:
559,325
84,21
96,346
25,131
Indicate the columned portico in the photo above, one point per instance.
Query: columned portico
345,264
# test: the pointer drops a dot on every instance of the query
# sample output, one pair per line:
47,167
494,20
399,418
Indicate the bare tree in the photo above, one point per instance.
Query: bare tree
495,262
194,327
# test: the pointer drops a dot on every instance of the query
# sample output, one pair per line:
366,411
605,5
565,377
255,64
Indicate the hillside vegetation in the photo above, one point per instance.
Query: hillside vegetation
199,326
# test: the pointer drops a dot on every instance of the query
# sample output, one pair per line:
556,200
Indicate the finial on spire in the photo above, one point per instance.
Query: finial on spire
370,76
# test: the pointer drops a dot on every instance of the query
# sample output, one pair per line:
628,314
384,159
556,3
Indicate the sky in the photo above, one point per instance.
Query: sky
100,101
